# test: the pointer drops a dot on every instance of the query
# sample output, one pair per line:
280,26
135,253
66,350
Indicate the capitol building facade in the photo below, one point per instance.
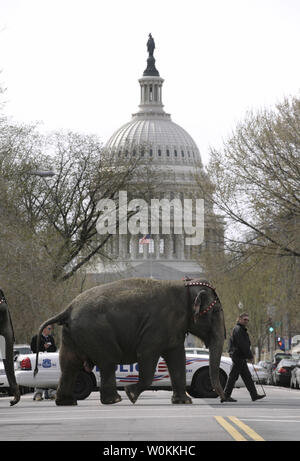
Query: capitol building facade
174,155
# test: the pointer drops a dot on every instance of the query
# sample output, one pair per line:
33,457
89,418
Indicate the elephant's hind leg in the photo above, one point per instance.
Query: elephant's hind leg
108,388
70,365
147,364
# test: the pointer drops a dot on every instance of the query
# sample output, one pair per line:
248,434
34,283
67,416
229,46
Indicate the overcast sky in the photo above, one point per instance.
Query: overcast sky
75,64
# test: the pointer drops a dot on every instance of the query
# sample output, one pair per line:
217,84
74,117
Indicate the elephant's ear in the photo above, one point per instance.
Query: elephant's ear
199,300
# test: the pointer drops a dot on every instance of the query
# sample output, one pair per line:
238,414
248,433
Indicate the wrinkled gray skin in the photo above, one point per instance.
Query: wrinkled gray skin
136,320
6,330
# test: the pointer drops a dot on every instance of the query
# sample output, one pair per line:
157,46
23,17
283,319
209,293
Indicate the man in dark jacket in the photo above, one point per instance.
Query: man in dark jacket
240,352
47,344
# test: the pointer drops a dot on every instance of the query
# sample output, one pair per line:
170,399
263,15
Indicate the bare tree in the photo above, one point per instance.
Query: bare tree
62,211
255,181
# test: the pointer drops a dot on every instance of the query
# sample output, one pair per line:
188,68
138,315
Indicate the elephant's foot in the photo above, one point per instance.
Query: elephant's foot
64,399
181,399
16,399
65,402
132,393
109,400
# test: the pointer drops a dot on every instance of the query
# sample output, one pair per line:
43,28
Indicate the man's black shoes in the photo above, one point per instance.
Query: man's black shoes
258,397
228,399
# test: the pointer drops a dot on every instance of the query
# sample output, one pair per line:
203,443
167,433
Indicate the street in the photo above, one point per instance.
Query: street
154,418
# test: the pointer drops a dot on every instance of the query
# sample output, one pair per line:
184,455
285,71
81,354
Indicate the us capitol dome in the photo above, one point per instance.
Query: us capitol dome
175,157
167,143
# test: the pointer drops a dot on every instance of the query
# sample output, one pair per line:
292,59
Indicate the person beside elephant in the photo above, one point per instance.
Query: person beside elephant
46,344
240,352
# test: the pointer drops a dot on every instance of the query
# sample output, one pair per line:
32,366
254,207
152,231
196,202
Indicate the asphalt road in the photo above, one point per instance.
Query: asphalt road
154,418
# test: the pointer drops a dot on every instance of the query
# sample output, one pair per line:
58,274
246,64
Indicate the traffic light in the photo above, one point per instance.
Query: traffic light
280,343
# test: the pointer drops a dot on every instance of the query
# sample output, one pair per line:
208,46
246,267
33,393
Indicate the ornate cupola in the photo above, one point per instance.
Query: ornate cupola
151,84
168,143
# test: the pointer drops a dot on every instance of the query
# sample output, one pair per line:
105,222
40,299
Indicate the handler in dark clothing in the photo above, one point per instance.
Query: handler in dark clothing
47,344
240,351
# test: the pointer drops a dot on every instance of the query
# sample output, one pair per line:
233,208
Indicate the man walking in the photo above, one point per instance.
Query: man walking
240,351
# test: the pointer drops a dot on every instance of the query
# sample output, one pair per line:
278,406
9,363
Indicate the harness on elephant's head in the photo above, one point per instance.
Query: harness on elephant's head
192,283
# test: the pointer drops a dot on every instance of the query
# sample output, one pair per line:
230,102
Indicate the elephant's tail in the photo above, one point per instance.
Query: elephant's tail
61,319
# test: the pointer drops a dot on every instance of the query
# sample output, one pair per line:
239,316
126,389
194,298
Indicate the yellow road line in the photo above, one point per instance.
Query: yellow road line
246,429
230,429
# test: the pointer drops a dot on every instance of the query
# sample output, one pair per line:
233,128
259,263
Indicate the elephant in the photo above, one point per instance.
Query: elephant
7,333
137,320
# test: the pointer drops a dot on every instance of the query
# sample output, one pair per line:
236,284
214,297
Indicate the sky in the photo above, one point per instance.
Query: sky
75,64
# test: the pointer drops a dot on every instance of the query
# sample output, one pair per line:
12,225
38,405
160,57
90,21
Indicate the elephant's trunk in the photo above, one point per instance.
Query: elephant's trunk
215,352
10,374
7,332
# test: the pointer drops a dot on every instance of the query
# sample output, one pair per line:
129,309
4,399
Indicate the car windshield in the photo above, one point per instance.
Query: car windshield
287,363
195,350
24,350
21,350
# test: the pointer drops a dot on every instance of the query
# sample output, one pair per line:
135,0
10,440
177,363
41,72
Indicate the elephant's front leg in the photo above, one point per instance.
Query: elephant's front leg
175,360
108,387
147,364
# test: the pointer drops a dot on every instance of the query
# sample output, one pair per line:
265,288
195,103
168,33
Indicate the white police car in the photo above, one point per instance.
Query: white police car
197,375
4,385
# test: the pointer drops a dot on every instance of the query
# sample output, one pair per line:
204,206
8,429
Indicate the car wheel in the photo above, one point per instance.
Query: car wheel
24,390
83,386
201,386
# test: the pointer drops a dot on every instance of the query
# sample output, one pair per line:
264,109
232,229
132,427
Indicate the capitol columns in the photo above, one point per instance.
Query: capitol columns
156,239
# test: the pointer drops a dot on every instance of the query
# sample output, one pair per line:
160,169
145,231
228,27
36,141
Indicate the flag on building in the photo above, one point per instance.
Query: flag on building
145,240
